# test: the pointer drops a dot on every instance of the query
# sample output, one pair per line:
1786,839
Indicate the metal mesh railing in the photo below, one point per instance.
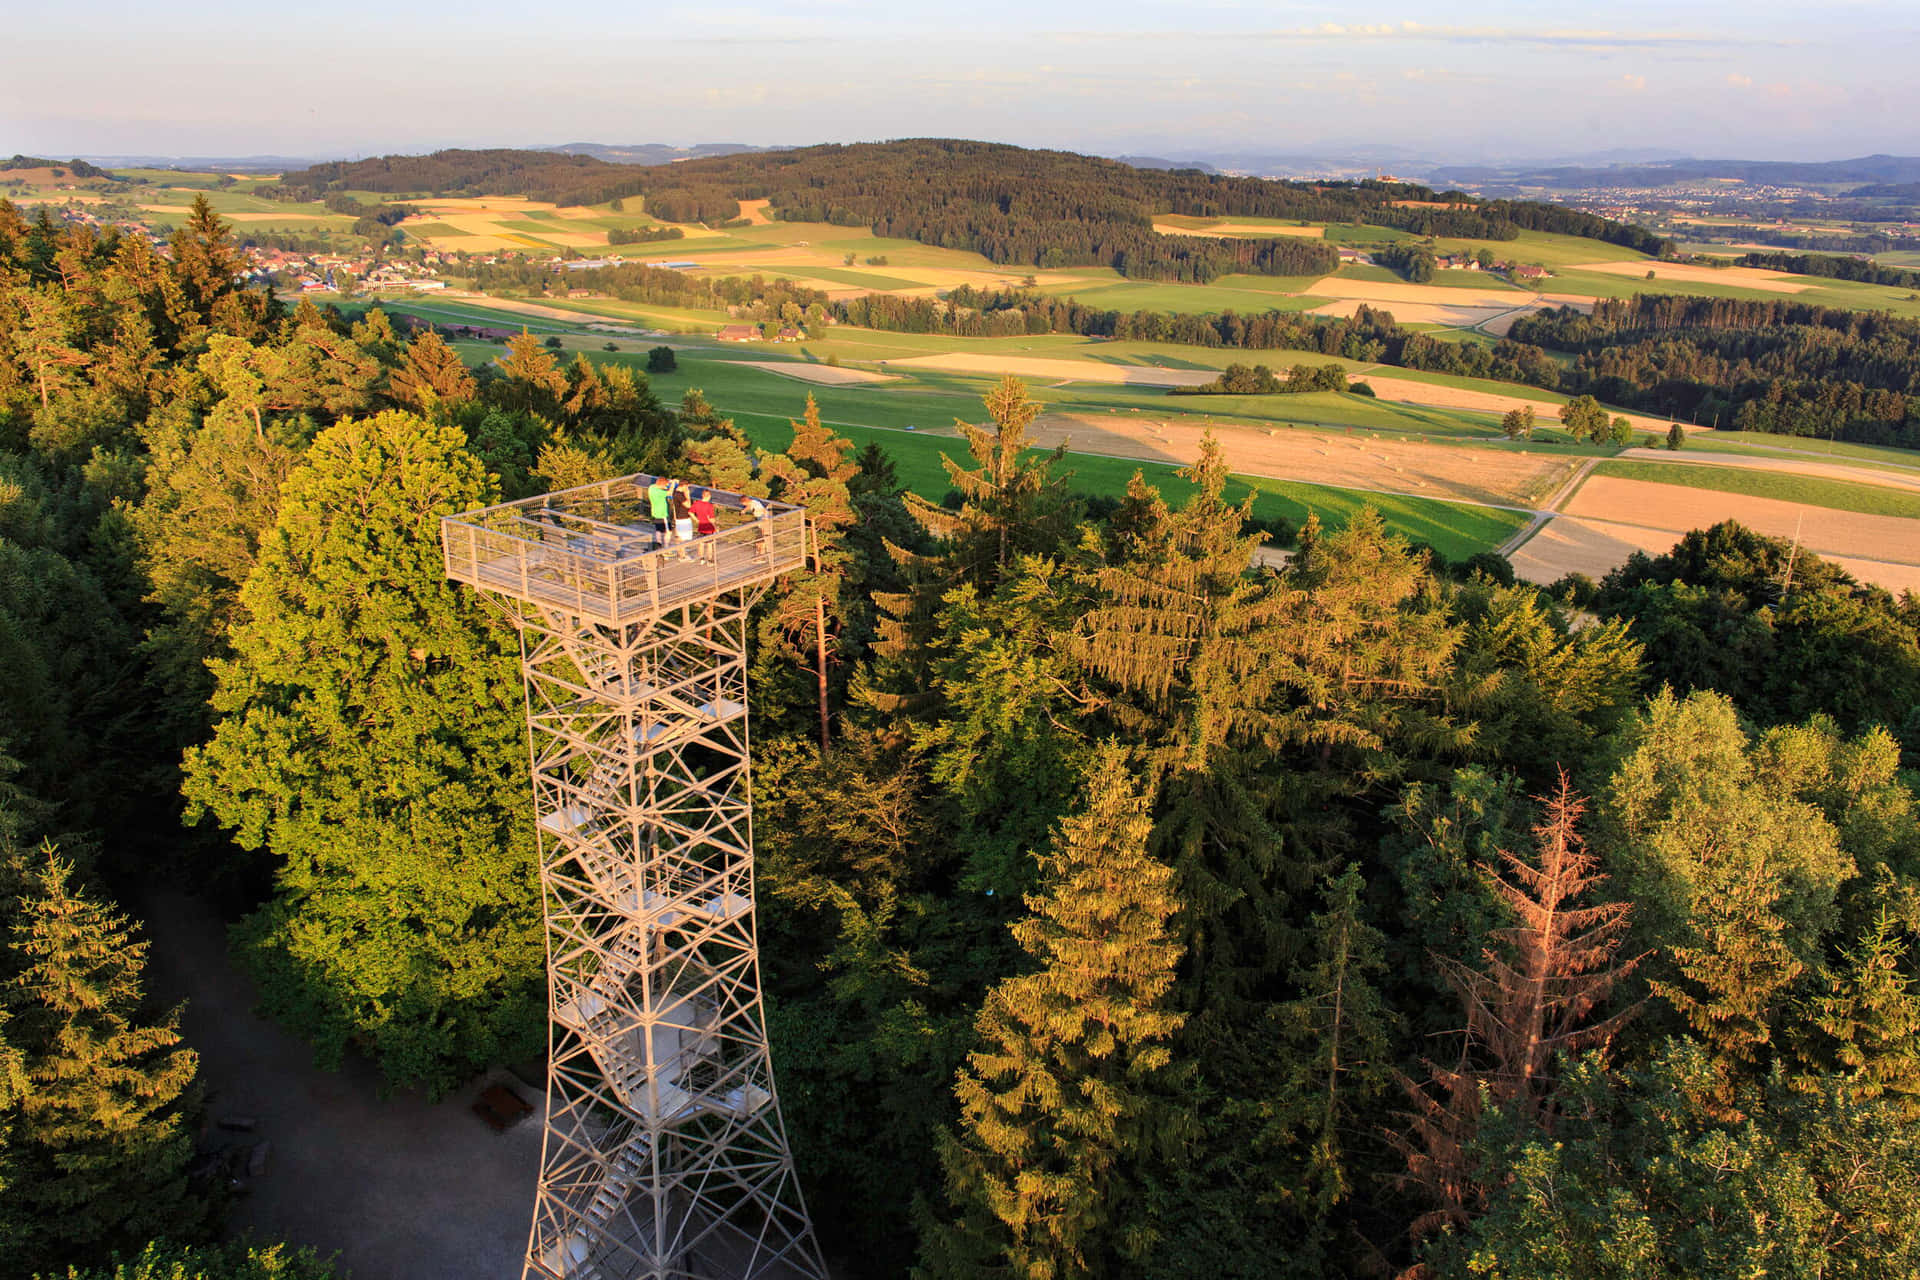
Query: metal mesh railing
595,552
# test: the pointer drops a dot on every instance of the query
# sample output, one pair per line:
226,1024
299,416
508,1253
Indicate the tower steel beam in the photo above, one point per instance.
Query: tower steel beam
665,1155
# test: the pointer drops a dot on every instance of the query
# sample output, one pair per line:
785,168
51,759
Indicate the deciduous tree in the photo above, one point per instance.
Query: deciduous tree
370,738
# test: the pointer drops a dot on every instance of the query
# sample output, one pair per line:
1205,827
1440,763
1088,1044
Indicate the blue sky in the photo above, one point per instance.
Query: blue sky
1479,78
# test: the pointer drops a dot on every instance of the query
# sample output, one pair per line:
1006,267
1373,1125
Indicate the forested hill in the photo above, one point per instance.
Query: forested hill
1013,205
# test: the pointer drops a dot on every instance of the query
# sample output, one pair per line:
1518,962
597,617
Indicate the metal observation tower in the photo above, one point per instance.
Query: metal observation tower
665,1155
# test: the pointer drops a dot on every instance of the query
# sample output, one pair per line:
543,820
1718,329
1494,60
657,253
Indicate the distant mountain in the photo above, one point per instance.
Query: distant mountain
653,152
1878,169
209,164
1155,162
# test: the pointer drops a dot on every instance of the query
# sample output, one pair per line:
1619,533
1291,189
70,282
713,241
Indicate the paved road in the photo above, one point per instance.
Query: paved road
400,1188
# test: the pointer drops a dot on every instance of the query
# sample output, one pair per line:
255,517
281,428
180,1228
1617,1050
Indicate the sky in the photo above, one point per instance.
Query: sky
1473,80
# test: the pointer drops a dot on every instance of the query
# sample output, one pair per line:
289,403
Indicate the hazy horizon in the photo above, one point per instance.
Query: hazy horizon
1495,80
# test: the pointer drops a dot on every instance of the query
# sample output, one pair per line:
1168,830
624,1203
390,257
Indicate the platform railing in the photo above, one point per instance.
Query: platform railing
593,551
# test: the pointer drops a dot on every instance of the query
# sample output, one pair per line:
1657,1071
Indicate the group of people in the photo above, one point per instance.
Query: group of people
682,512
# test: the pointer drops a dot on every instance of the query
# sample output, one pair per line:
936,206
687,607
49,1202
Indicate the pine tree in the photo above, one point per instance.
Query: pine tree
370,738
1182,626
1870,1019
1532,998
1058,1105
99,1143
431,377
534,381
1009,503
813,605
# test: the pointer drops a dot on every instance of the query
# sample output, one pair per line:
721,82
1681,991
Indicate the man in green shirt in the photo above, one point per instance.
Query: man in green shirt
659,502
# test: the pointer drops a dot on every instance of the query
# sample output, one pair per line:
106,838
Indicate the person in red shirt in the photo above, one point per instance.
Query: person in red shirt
703,513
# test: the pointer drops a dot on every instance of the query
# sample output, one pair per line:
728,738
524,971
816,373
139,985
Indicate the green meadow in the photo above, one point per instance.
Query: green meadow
1813,491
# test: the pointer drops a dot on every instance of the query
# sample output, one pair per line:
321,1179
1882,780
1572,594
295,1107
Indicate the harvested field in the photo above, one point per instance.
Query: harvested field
1566,545
1388,292
1675,509
1132,375
1349,461
1745,277
556,313
1416,312
1240,231
1594,547
1407,391
755,212
825,374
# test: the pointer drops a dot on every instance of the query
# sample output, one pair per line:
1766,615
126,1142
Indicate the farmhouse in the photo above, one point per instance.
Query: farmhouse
1529,272
737,333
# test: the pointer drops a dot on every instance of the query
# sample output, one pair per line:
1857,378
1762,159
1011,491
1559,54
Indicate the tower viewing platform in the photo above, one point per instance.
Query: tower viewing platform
595,553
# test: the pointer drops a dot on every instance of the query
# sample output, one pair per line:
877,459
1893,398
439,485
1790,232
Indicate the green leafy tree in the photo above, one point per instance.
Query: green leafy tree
1622,434
237,1261
98,1140
661,360
1586,420
1676,438
1737,878
1644,1177
211,496
1059,1105
370,738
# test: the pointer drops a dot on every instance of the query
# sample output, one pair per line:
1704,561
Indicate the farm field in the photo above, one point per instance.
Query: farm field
1785,481
1766,444
1455,530
1673,509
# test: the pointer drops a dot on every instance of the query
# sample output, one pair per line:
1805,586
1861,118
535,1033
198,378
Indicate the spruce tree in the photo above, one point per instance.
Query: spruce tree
370,738
1533,996
1010,503
1188,635
98,1143
813,605
1338,1029
431,378
1869,1020
1058,1106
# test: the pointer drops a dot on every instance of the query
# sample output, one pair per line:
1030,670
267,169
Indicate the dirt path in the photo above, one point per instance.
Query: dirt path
401,1188
1549,509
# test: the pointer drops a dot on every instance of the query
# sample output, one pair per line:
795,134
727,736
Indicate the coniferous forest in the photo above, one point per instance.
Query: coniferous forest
1128,908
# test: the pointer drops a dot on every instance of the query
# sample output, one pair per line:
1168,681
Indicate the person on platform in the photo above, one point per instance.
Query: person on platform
659,495
682,515
703,512
761,515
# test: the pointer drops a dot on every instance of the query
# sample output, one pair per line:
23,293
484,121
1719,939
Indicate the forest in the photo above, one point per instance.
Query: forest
1009,204
1832,266
1127,908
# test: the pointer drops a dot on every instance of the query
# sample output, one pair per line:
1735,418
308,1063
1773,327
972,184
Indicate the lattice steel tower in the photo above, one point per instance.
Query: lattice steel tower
665,1154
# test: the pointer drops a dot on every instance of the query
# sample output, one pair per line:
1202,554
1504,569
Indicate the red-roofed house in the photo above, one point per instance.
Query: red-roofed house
737,333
